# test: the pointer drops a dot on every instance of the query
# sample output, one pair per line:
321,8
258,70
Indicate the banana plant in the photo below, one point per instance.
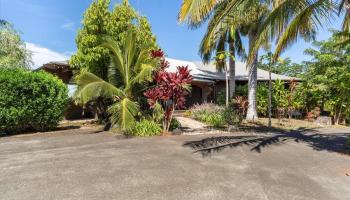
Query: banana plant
130,67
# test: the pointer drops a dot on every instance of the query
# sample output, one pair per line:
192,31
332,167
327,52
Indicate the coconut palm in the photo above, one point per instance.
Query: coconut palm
197,11
251,29
345,6
129,68
219,35
287,21
290,20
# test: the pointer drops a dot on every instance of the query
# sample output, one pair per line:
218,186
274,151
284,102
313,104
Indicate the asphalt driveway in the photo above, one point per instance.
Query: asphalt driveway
82,164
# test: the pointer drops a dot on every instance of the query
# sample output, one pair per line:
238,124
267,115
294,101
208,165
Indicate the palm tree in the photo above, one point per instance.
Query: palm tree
129,68
220,33
197,11
290,20
345,6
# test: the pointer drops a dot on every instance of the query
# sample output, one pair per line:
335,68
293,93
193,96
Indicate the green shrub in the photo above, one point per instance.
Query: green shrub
174,124
209,113
262,99
221,99
242,90
232,117
214,119
30,100
145,128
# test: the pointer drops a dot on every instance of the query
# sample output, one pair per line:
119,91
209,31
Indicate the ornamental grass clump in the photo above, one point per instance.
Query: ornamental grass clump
209,113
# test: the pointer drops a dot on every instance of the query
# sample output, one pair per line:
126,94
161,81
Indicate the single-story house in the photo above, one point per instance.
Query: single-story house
207,81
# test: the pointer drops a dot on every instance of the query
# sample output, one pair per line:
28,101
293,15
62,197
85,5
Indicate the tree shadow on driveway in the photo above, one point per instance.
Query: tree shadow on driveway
334,142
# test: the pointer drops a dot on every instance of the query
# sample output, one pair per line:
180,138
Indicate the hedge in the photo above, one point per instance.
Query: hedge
30,100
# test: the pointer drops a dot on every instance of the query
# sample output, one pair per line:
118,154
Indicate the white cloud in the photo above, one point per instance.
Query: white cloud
42,55
70,26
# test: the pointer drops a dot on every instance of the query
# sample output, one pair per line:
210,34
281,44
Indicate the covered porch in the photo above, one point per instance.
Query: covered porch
202,91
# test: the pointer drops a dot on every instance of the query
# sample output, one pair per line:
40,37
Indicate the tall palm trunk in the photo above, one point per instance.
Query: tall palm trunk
232,66
227,87
252,113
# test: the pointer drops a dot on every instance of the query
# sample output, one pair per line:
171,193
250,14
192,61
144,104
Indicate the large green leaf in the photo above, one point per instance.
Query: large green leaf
117,57
91,87
123,113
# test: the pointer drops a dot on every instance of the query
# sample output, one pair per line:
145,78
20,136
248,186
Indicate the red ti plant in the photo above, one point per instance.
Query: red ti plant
170,90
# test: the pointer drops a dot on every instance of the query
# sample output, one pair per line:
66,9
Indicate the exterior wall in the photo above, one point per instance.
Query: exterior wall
195,97
201,93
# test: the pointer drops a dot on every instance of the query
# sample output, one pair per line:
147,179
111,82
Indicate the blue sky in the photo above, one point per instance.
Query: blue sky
50,27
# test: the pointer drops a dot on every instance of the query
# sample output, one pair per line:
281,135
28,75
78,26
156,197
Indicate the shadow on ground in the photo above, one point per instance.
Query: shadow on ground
31,131
264,138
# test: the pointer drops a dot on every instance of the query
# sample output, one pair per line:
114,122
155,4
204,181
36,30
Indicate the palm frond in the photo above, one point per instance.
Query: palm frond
114,77
196,12
240,49
84,78
129,48
345,6
123,113
342,38
145,74
144,57
229,25
91,87
303,25
116,55
292,19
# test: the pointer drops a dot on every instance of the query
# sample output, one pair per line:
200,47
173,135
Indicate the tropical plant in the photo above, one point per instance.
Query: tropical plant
281,66
99,20
327,77
240,103
145,128
30,100
280,97
196,12
217,116
13,52
280,91
129,69
174,124
232,116
198,109
252,30
262,94
242,90
221,98
223,38
344,6
290,20
170,90
209,113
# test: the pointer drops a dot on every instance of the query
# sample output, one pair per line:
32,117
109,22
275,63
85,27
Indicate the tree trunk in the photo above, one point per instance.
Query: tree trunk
336,118
227,87
337,115
252,113
232,66
270,97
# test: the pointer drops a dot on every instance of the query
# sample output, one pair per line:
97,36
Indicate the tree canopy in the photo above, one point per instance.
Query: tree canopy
98,21
328,76
284,67
129,68
13,52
